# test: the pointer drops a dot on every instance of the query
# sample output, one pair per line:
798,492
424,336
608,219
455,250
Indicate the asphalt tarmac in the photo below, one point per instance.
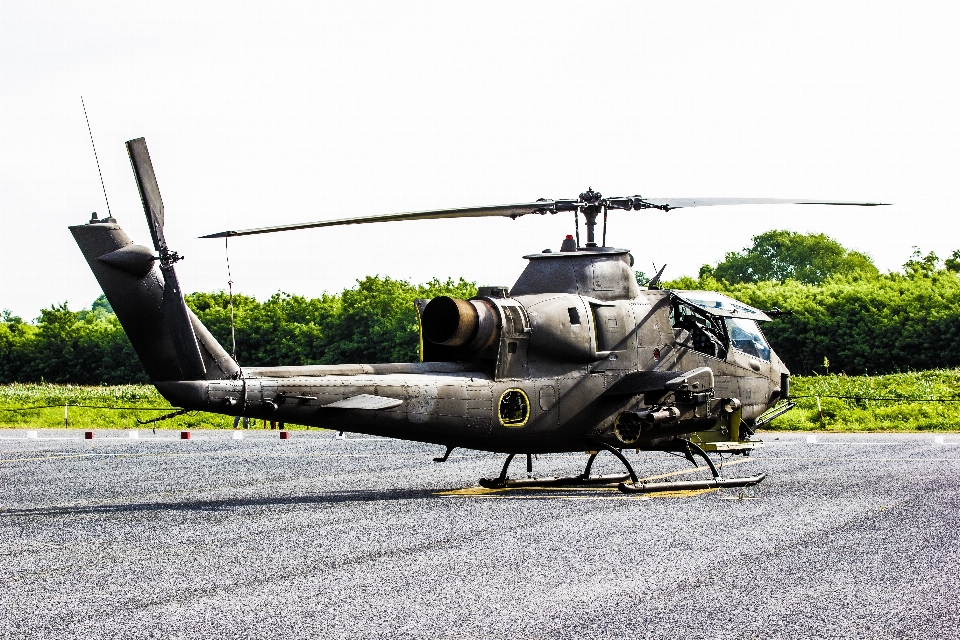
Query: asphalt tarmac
853,536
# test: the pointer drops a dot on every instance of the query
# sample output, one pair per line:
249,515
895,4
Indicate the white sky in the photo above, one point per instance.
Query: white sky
261,113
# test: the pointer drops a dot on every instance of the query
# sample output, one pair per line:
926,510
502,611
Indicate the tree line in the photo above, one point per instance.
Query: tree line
375,321
842,315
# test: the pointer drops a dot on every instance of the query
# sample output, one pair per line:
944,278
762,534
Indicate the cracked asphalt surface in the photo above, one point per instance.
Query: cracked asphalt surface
855,536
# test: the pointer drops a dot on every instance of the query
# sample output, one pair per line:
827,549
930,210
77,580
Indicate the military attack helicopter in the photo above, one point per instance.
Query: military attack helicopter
575,357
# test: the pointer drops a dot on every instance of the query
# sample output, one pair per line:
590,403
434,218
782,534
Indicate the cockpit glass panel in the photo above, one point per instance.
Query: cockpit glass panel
704,332
714,302
745,336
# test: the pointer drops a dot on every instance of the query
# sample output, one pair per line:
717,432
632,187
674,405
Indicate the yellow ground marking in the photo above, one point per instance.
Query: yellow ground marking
569,493
469,491
618,496
688,493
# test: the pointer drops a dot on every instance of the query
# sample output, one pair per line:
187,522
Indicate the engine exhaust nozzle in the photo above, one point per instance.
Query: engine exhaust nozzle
460,323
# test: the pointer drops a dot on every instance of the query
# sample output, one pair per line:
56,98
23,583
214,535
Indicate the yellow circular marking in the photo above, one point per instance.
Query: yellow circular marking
517,408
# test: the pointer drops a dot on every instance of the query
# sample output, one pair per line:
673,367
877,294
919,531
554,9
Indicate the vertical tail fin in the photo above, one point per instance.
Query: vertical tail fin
168,337
136,291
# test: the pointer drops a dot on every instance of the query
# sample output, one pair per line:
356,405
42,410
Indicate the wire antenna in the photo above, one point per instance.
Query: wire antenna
233,337
95,157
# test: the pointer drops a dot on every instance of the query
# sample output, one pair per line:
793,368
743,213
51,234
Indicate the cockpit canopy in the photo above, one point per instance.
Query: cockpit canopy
720,305
715,322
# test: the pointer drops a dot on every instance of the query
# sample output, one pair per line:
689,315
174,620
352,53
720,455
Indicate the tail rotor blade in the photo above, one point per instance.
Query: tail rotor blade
181,329
175,314
149,190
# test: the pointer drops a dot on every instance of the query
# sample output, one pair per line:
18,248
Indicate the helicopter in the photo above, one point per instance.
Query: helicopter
575,357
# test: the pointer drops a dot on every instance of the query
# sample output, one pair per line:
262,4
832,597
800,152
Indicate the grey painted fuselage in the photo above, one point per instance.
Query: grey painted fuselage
573,326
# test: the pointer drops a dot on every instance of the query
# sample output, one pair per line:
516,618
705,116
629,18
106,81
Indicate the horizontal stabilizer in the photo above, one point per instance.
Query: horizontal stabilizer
135,259
364,401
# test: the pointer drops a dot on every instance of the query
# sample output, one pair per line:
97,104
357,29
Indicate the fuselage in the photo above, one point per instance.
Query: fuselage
558,354
555,364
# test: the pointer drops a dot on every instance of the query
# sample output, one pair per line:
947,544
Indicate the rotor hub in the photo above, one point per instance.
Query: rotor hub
593,204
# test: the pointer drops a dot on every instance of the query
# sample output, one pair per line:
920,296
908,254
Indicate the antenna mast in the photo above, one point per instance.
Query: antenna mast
95,157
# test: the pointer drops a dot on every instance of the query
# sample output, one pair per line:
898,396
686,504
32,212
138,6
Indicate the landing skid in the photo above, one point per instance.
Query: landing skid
510,483
687,485
627,482
504,482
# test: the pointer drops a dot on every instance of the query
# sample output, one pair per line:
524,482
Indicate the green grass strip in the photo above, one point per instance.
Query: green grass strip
912,401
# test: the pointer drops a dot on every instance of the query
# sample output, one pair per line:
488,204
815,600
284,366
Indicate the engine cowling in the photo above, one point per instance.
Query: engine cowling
563,328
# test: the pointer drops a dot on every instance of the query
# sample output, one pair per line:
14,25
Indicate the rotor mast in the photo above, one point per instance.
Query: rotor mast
593,206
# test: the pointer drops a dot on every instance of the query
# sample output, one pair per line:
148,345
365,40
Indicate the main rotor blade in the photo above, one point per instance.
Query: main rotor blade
522,209
680,203
149,190
504,210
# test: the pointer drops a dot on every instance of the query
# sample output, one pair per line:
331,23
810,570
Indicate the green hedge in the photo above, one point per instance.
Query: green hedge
909,402
68,346
834,414
857,325
376,321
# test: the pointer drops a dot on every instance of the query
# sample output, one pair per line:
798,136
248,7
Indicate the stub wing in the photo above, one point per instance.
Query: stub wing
364,401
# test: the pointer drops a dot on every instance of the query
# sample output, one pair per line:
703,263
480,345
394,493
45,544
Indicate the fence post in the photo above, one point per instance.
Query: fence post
66,417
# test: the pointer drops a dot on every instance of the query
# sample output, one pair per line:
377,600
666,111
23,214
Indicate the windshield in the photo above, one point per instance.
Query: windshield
721,305
745,336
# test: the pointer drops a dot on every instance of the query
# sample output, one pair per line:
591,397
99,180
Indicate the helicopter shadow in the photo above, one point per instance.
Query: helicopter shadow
227,504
